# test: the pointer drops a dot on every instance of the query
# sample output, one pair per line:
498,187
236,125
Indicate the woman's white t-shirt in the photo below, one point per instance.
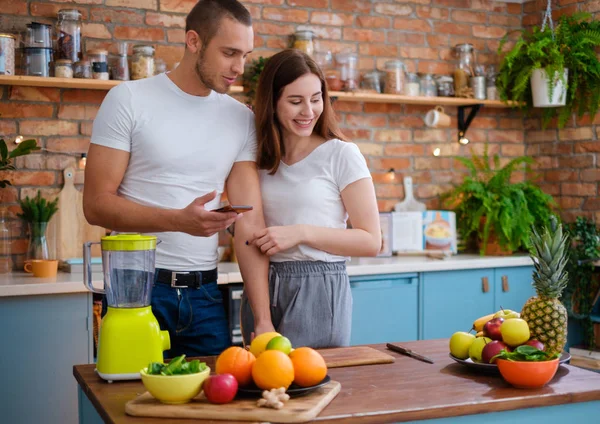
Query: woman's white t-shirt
309,192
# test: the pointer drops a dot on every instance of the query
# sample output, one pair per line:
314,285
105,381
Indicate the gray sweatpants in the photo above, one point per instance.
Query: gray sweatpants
311,304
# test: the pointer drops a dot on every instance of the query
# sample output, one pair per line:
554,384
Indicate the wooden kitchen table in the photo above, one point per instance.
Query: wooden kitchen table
405,391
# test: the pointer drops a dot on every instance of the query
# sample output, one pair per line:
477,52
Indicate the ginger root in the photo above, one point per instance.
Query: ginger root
273,398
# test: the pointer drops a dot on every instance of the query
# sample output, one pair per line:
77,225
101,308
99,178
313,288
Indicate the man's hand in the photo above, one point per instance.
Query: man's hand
273,240
197,221
262,328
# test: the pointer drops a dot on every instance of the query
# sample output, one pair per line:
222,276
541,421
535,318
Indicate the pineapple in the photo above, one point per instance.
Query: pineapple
544,313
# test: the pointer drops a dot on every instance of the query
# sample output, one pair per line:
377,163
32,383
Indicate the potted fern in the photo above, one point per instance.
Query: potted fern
37,213
494,212
567,54
250,78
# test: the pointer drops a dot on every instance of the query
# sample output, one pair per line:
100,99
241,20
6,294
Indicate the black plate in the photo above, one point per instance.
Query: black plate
493,368
293,390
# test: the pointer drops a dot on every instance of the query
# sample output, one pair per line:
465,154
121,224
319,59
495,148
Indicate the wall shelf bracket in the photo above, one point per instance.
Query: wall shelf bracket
464,125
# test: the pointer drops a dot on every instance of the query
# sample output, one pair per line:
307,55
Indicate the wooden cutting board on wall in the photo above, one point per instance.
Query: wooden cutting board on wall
69,229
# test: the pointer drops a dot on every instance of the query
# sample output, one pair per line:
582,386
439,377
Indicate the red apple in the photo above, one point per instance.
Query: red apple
536,343
492,349
491,328
220,388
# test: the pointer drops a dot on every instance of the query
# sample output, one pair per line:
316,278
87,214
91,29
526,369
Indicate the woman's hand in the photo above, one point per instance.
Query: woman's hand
273,240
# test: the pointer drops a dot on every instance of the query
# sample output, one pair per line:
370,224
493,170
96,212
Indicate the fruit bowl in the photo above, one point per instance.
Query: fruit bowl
482,368
527,374
174,389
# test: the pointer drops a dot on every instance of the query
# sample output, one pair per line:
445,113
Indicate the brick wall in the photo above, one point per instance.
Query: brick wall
421,32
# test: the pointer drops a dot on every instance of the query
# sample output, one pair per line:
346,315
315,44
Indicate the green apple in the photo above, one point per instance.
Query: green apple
477,348
514,332
507,314
460,342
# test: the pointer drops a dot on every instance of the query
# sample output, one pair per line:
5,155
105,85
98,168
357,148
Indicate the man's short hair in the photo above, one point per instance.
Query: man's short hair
206,16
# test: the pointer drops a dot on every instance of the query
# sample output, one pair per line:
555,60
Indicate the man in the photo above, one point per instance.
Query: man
162,151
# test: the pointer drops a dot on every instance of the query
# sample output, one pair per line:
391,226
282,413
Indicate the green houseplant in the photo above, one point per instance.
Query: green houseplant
250,78
6,157
493,211
570,46
37,213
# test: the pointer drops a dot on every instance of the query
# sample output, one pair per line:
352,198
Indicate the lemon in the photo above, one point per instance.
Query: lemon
259,344
280,343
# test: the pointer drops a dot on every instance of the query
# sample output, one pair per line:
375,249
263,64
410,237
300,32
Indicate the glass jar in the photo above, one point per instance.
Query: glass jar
120,70
83,69
464,69
37,61
413,85
159,66
324,59
303,40
334,80
373,81
394,77
445,86
38,35
348,63
7,54
69,34
491,91
142,62
5,245
428,86
38,244
63,68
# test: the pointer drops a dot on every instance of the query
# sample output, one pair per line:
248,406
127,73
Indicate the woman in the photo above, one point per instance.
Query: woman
311,182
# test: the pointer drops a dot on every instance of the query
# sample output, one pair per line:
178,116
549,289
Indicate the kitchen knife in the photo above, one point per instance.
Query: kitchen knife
405,351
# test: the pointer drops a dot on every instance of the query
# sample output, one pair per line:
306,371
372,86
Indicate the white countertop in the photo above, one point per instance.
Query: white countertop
24,284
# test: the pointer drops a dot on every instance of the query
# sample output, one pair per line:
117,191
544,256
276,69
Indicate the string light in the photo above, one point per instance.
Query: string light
436,152
463,140
19,139
391,175
82,161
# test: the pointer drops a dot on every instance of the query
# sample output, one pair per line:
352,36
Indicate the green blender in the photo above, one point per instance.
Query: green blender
130,336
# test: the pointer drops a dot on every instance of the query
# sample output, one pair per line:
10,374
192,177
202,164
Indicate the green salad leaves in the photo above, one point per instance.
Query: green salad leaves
526,353
177,366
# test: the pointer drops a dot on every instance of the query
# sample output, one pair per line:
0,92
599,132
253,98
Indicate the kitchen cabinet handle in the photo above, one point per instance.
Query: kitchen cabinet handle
505,286
485,284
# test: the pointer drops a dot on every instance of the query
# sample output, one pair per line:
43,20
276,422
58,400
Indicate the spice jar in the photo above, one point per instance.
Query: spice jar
83,69
464,70
428,86
303,40
445,86
63,68
413,85
69,34
7,54
394,77
142,62
373,81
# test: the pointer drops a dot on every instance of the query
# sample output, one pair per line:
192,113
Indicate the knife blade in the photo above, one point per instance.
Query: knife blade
408,352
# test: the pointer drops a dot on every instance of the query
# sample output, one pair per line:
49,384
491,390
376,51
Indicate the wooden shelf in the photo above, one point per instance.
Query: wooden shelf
92,84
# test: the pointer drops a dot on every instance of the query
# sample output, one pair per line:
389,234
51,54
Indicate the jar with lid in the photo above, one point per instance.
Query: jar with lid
413,85
83,69
7,54
348,63
428,86
373,81
490,80
159,66
142,62
464,69
303,40
445,86
394,77
120,70
69,34
38,35
63,68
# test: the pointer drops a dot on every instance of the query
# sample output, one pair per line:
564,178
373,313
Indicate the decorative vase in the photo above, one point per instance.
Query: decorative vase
38,245
540,92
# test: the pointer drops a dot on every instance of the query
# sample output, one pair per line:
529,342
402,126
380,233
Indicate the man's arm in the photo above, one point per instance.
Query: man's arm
104,171
243,188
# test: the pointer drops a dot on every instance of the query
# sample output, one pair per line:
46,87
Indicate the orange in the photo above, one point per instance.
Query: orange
238,362
309,366
273,369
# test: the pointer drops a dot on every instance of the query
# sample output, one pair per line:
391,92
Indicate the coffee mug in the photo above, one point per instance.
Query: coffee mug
436,118
43,268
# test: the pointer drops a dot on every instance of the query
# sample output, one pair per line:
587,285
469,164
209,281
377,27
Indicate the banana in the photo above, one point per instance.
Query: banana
480,322
479,334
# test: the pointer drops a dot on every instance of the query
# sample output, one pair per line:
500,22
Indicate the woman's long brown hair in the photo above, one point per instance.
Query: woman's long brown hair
280,70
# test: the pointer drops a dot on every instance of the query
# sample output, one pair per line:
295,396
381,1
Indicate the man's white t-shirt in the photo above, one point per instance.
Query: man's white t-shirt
182,147
309,192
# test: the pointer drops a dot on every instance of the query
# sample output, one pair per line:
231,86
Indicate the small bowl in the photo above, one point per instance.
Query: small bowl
174,389
527,374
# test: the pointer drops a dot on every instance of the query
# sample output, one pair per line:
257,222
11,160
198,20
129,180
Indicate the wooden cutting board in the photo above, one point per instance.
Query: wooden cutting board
68,228
354,355
296,410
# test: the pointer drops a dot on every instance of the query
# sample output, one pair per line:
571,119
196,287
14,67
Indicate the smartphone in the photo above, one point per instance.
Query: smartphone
234,208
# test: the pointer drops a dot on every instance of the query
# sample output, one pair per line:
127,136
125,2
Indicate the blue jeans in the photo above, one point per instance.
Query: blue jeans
195,319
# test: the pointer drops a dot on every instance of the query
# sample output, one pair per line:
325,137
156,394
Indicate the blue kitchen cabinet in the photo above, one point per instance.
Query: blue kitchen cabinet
451,300
513,287
385,308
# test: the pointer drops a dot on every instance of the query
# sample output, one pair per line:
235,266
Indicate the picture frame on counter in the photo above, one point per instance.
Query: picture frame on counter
387,234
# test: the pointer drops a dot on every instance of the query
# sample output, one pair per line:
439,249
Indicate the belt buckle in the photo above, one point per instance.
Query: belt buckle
174,280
